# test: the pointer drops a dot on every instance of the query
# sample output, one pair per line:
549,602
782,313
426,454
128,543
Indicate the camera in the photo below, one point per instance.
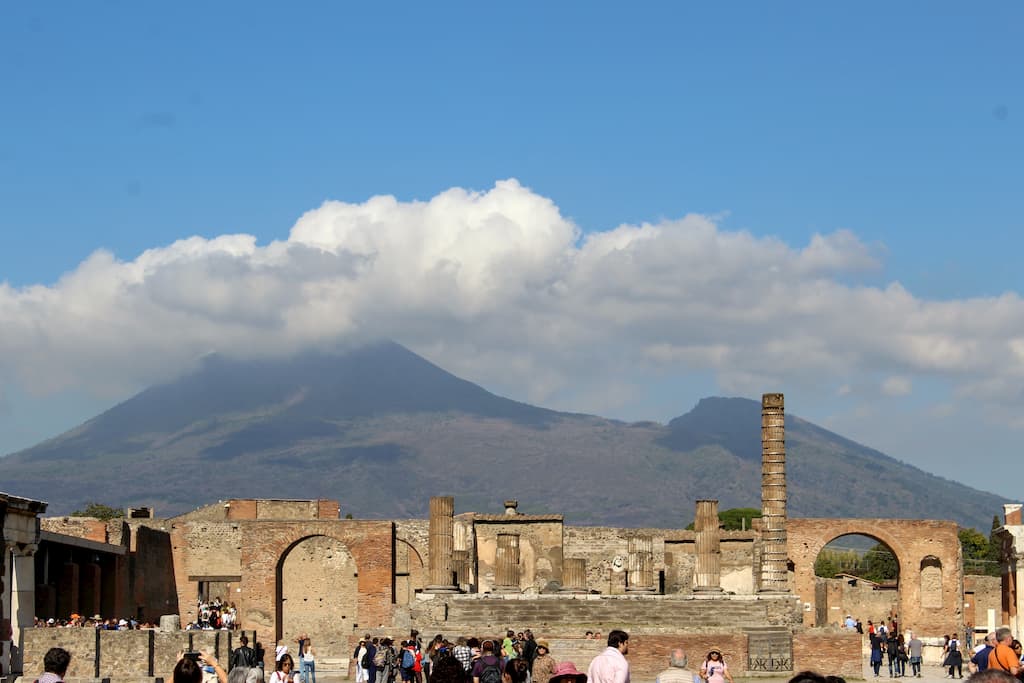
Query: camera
194,656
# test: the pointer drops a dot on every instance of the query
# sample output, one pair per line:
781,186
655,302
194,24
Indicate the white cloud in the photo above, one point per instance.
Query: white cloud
500,287
897,386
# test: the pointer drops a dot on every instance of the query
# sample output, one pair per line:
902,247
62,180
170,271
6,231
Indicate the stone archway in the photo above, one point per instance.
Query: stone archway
410,572
919,545
317,590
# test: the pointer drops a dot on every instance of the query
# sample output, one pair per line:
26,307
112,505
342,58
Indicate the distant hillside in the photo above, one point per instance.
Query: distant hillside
381,430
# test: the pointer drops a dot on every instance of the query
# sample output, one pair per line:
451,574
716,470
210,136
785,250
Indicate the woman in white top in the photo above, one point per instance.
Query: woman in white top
284,672
307,663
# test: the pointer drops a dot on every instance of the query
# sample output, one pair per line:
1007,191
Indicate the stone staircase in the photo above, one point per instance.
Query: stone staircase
573,617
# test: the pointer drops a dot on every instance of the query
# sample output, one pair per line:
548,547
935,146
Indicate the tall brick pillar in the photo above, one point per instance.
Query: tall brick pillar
574,575
640,565
773,495
442,545
90,589
506,564
67,590
708,575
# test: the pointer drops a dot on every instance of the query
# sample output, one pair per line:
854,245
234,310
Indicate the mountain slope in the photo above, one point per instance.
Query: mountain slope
382,430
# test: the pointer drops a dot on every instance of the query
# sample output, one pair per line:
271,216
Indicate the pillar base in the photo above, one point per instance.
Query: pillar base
774,591
708,589
443,590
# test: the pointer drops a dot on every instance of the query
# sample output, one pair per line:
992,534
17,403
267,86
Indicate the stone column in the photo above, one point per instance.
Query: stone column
774,578
506,564
640,565
708,574
574,575
23,599
442,545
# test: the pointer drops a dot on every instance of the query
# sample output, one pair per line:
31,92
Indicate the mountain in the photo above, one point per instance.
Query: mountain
381,430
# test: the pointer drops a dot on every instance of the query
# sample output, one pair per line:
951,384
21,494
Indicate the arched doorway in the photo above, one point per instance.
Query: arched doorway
856,575
317,591
410,574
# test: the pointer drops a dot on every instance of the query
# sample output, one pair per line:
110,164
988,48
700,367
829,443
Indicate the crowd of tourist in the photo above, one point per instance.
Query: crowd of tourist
96,621
214,615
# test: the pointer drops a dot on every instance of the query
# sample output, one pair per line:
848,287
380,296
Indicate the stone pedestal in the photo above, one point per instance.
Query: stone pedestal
774,576
708,574
506,564
442,546
574,575
640,565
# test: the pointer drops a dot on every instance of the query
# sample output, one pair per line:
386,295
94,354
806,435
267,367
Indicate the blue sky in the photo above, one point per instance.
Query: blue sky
128,126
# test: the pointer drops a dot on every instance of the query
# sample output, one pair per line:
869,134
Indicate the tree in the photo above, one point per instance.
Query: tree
99,511
880,564
734,519
977,552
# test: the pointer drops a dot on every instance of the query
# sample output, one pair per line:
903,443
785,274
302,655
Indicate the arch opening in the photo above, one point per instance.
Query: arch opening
856,576
317,591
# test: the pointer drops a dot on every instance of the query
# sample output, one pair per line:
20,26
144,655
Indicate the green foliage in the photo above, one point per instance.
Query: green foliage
980,552
734,519
880,564
99,511
877,564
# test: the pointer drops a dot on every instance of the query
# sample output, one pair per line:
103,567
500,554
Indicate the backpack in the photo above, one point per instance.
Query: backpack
379,658
408,659
365,661
491,673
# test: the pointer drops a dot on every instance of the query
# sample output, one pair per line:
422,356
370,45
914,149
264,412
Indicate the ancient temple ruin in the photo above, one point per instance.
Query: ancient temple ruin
294,565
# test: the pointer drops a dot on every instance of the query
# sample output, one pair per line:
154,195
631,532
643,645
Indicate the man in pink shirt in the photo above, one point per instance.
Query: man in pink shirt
611,666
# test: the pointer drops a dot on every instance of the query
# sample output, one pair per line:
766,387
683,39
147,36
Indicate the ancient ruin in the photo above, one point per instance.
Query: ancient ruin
293,565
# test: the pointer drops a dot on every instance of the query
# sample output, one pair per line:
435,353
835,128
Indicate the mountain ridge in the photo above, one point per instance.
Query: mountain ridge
381,430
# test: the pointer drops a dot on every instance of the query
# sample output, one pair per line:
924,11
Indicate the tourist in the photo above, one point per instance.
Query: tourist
529,648
357,656
371,658
566,672
430,654
463,653
544,664
954,658
714,669
915,649
677,671
611,666
849,623
508,646
516,671
991,675
891,647
447,669
979,660
55,665
386,661
307,660
1002,656
901,656
488,668
243,655
285,672
191,665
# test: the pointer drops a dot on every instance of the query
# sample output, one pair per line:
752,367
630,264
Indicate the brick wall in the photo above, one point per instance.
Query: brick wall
648,654
88,528
829,652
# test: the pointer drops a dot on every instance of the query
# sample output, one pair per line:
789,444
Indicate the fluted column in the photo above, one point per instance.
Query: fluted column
640,565
506,564
574,575
774,576
442,545
707,578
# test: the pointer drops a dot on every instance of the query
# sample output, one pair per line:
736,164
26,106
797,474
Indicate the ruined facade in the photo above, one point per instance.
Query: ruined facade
293,565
